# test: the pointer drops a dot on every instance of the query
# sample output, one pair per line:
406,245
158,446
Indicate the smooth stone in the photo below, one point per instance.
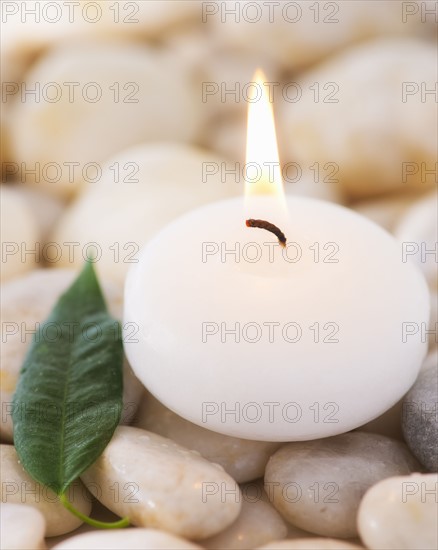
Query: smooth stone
46,209
163,485
310,544
258,523
27,301
22,527
388,210
18,233
369,132
296,36
400,513
420,419
317,485
243,459
157,100
419,226
19,488
98,512
128,539
130,213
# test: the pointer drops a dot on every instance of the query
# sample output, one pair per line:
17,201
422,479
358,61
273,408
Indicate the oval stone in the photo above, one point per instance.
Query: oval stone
18,488
317,485
126,539
310,544
243,459
22,527
157,483
258,523
420,418
400,513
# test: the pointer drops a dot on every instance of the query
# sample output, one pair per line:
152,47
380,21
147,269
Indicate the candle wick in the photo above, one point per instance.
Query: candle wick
262,224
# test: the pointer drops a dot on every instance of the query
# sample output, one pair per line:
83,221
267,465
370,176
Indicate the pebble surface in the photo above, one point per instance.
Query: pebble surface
128,539
19,228
366,134
317,485
163,485
18,488
23,527
89,133
131,214
258,523
243,459
310,544
400,513
420,418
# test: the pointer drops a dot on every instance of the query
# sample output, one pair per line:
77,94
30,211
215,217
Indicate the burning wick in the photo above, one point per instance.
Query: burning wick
262,224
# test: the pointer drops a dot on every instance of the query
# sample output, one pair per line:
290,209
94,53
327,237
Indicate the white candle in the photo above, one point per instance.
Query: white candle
306,342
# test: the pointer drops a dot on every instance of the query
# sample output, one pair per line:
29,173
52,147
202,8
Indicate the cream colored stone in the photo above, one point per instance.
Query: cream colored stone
142,94
360,122
22,527
19,234
298,34
26,36
46,209
388,210
400,513
243,459
19,488
128,539
417,233
27,301
310,544
258,523
317,485
169,183
163,485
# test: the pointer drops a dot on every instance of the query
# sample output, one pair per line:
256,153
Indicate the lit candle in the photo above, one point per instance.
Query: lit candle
295,326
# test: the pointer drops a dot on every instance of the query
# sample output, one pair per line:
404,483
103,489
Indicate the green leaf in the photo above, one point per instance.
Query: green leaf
69,396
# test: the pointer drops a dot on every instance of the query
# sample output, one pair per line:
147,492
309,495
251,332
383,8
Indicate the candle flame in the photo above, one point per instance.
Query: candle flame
263,171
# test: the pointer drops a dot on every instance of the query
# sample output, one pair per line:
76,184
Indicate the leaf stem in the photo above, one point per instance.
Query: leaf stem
124,522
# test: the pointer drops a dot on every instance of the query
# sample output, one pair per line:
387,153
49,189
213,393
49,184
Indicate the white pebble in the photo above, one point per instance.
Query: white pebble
27,301
258,523
310,544
418,231
169,184
128,539
19,233
364,128
388,210
297,34
163,485
22,527
19,488
317,485
400,513
152,97
243,459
